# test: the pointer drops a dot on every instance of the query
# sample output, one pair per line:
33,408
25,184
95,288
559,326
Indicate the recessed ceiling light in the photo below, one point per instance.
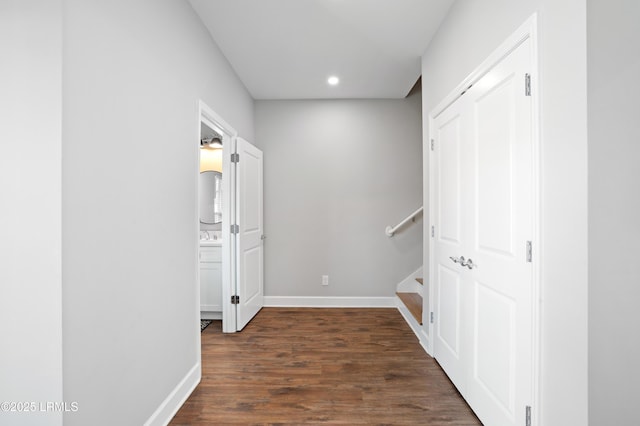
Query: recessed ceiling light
333,80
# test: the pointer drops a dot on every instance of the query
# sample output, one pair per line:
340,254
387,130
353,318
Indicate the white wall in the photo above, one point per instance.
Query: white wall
614,210
337,172
30,212
133,74
471,31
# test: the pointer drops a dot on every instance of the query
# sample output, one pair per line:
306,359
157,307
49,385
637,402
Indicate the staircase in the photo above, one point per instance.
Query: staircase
409,293
409,302
409,297
413,301
410,290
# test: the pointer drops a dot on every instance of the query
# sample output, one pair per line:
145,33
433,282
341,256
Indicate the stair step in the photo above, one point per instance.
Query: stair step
420,280
413,302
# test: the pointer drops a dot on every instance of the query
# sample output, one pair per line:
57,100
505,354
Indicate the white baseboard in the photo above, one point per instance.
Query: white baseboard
415,327
329,302
410,285
172,403
206,315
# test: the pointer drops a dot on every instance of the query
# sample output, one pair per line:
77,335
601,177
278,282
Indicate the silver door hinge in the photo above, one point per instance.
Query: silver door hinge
432,144
527,420
235,229
433,231
235,300
431,318
235,157
527,84
529,251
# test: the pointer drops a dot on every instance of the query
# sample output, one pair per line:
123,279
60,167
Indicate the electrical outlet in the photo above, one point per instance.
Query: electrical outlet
325,280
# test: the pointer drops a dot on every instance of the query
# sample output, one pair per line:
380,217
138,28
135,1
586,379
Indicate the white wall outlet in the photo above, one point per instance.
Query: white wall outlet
325,280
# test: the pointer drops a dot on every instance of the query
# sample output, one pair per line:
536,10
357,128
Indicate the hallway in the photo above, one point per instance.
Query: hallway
329,366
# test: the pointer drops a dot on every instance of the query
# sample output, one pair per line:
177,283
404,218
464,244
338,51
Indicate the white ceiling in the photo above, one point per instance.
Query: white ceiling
286,49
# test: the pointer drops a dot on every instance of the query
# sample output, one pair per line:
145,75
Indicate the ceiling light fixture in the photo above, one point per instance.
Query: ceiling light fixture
333,80
213,143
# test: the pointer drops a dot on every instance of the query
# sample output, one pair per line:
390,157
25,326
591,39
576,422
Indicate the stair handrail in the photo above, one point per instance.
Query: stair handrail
390,231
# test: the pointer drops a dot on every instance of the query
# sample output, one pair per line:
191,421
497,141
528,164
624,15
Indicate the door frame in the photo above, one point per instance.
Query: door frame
528,30
210,117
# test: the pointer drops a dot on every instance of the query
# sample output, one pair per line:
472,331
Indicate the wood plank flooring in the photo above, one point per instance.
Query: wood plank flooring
321,366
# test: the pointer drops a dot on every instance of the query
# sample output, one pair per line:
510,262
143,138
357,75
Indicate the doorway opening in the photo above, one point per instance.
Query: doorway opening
215,210
230,224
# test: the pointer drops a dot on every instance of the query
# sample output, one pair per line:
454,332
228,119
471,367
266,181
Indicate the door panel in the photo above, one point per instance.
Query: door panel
252,267
494,165
449,180
448,331
249,212
449,307
494,344
211,286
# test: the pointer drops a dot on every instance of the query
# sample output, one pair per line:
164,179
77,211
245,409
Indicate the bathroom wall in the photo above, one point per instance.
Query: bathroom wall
134,72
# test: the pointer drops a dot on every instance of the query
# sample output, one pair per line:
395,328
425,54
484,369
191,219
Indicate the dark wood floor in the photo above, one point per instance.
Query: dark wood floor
321,366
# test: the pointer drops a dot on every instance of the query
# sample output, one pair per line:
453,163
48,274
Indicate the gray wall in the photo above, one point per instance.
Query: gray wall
30,235
133,74
614,211
337,172
471,31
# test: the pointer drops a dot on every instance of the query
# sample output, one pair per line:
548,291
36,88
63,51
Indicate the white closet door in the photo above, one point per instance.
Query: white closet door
483,195
249,212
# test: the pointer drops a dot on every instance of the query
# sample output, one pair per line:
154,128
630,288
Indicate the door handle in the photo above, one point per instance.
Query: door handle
469,264
463,262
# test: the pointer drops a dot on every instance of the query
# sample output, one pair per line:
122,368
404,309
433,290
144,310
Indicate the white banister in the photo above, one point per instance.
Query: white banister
390,231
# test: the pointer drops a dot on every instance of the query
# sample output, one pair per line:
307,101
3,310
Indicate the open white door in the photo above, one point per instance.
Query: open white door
250,232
